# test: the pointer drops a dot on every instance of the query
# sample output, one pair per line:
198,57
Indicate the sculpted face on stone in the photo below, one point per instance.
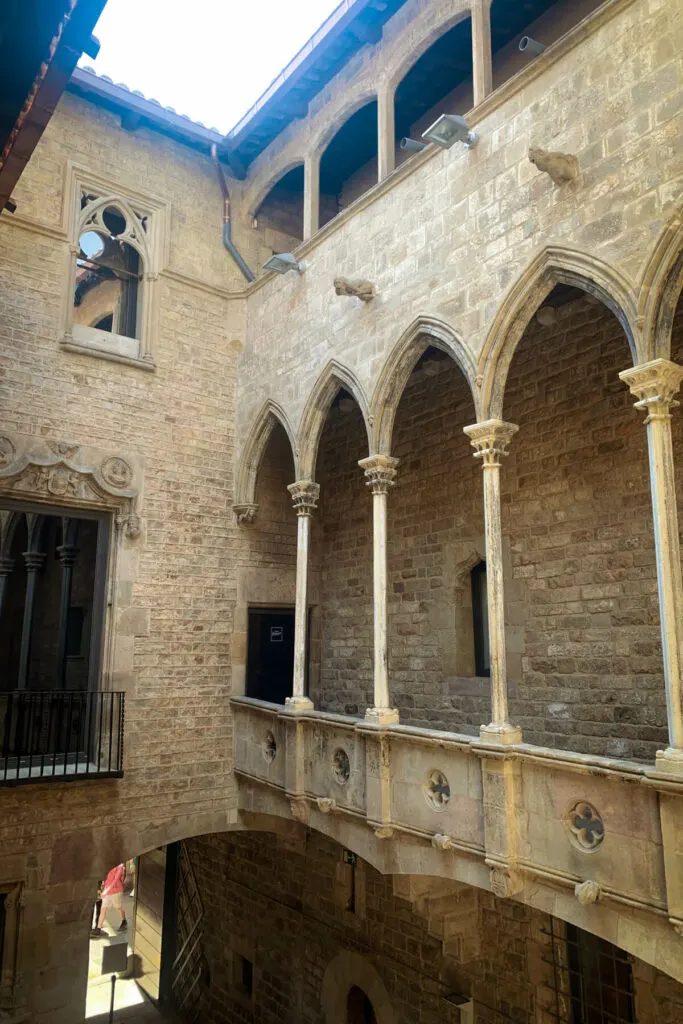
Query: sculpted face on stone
363,290
562,167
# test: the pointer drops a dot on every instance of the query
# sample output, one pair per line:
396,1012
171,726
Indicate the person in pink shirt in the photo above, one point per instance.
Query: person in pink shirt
111,896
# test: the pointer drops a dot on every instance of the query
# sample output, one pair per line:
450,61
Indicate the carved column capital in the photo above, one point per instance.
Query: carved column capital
67,554
654,384
245,514
305,494
380,472
491,440
6,565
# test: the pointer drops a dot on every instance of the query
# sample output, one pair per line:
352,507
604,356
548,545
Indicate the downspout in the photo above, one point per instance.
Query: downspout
227,230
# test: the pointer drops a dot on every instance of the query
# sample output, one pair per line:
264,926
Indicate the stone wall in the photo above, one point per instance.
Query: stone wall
168,644
283,905
576,507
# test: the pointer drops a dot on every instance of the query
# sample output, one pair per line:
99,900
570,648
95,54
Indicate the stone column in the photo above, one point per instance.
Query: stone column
380,472
654,384
66,552
33,561
6,567
490,441
305,494
311,194
482,60
386,132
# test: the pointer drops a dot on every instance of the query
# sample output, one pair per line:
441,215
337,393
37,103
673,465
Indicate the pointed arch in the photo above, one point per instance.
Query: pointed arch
425,331
661,288
333,377
554,265
262,189
270,416
325,135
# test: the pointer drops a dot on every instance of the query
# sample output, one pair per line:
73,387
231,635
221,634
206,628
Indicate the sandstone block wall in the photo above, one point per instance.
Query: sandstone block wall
282,904
172,647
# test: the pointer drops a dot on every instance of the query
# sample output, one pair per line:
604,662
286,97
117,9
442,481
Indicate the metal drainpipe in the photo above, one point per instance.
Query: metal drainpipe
227,231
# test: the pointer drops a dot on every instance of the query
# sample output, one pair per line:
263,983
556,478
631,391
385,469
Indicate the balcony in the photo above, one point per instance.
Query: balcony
60,736
577,835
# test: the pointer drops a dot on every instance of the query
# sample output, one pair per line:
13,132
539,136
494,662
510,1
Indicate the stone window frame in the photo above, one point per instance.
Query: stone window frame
152,244
49,473
346,971
242,950
10,944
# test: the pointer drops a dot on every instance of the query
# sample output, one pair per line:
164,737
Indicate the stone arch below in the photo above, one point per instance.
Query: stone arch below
351,970
333,378
660,289
270,415
553,266
425,331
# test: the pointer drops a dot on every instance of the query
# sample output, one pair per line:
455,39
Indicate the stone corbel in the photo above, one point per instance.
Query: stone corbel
443,843
245,514
66,473
505,883
326,804
384,832
363,290
561,167
300,809
587,892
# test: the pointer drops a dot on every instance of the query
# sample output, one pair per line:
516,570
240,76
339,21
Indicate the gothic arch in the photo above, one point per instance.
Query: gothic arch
554,265
341,116
261,191
333,377
346,970
270,415
425,331
660,289
432,34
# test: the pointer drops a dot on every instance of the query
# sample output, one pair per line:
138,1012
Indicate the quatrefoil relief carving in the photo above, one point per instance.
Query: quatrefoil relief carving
341,766
437,790
585,827
269,747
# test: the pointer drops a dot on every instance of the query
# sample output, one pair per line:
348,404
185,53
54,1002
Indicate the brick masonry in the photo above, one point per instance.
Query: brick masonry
282,904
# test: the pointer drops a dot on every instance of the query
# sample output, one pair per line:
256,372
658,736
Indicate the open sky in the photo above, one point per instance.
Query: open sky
209,59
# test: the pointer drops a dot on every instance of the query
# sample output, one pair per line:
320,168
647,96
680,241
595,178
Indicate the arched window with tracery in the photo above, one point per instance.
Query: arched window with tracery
114,262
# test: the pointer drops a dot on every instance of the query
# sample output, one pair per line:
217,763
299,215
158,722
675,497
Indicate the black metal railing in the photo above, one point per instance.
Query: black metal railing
60,734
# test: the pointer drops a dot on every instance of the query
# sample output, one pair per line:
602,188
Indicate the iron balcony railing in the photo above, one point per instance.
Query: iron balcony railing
60,734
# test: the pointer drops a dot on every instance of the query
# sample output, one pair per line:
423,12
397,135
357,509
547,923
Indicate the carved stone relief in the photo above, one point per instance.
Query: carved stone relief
65,472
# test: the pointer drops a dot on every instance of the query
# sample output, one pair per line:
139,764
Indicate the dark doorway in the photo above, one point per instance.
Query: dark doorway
270,654
359,1008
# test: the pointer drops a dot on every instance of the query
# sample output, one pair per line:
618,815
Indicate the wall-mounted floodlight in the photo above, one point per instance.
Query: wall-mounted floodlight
531,46
450,128
412,145
282,262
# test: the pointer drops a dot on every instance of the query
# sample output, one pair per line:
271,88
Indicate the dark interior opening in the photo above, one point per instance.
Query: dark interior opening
439,82
348,167
359,1008
282,211
270,654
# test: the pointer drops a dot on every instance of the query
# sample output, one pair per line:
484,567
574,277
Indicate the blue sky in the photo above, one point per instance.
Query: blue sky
209,59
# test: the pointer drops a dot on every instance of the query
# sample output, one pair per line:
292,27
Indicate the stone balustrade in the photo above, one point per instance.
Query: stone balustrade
594,841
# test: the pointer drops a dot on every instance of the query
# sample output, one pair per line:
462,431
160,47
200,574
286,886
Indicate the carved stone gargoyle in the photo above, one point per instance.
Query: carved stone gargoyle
562,167
363,290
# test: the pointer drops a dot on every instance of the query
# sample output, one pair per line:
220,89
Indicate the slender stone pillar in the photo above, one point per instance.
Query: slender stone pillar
66,552
386,132
380,472
654,384
482,59
6,567
311,194
304,494
490,441
33,561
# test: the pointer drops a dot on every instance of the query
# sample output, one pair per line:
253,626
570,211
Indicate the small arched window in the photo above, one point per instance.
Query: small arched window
109,272
480,620
118,244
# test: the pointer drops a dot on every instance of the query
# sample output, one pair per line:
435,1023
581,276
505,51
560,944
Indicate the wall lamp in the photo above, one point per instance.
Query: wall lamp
282,262
531,46
450,128
412,145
